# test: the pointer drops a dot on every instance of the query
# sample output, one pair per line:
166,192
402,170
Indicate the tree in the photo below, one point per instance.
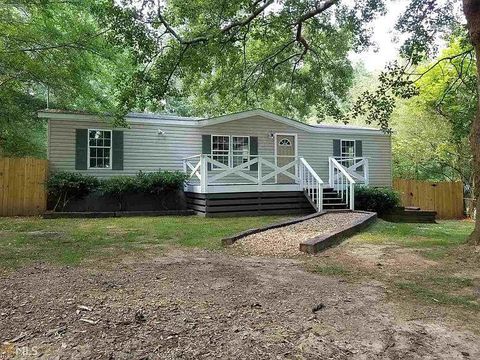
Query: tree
51,53
471,9
431,129
290,56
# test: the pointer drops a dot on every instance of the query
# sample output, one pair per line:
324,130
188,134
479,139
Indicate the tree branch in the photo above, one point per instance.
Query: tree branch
248,19
318,9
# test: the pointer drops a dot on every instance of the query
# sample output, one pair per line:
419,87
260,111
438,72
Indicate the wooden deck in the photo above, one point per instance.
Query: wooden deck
249,187
249,203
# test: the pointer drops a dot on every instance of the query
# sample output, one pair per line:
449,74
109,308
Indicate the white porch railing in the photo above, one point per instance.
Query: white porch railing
259,173
342,182
356,167
312,185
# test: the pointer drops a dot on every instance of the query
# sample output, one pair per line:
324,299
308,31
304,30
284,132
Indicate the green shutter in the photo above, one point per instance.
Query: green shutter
358,153
207,147
253,151
117,150
336,148
358,148
81,149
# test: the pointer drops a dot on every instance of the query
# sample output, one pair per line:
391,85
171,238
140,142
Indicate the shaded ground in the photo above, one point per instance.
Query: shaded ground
198,304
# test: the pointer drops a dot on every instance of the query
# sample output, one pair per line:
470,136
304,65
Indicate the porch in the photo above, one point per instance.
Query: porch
272,182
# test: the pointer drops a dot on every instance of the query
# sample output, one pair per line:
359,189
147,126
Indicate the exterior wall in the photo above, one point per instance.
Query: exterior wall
145,149
316,148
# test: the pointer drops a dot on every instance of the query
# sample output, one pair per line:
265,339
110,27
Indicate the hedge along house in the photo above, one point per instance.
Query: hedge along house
242,163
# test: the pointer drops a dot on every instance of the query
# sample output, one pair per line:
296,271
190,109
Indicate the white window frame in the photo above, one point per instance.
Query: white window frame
341,148
230,154
88,151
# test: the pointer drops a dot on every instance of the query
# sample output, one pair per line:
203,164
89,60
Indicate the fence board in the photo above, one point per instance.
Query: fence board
22,186
446,198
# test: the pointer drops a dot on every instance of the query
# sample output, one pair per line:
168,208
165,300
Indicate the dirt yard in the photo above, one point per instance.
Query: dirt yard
198,304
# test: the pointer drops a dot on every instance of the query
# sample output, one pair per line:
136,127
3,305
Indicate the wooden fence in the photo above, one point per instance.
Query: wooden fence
446,198
22,186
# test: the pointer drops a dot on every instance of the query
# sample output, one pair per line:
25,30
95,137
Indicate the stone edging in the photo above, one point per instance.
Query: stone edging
323,241
232,239
58,215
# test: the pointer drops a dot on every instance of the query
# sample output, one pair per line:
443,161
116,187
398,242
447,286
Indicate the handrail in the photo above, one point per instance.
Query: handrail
343,183
342,170
312,184
192,157
310,170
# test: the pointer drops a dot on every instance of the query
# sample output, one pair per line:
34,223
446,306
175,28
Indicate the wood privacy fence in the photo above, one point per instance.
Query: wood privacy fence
22,186
446,198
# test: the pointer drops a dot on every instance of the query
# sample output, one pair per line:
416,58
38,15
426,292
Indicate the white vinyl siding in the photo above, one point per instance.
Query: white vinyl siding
145,149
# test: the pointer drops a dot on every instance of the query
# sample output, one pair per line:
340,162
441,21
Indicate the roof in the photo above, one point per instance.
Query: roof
169,119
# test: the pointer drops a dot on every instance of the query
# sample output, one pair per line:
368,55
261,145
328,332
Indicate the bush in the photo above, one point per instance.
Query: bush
64,186
379,200
149,183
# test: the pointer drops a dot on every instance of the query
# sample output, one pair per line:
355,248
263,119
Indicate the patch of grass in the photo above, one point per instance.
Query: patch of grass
429,295
70,241
444,234
332,270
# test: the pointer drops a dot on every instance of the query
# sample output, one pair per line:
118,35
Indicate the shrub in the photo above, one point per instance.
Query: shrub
156,182
64,186
150,183
379,200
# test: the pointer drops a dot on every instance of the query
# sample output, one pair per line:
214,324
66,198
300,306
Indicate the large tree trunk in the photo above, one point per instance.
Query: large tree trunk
471,8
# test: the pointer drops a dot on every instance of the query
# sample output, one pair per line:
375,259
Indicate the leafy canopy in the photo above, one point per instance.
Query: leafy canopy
51,53
287,56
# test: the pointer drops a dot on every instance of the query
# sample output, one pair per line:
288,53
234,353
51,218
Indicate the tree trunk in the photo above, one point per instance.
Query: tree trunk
471,9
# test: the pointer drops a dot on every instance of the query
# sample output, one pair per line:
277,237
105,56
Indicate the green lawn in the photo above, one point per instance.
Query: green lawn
69,241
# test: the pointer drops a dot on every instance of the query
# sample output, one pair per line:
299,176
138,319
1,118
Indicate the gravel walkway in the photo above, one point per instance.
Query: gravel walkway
285,241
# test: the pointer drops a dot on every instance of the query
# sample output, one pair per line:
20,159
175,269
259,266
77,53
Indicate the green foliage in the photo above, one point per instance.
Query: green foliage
65,186
379,200
149,183
290,57
155,182
431,140
52,53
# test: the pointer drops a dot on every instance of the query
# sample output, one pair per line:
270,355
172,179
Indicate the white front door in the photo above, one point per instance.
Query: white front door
285,153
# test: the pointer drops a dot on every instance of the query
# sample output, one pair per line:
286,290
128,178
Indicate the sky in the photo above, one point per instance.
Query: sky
384,37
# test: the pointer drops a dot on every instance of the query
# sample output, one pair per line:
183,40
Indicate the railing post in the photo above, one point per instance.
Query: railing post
259,170
320,197
330,172
366,171
352,196
203,174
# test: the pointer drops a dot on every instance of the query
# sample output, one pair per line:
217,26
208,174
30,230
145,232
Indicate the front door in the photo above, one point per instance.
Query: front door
285,154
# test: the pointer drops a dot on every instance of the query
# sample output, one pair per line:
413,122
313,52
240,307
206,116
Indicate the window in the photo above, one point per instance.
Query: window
347,151
285,142
240,150
99,149
221,149
230,150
